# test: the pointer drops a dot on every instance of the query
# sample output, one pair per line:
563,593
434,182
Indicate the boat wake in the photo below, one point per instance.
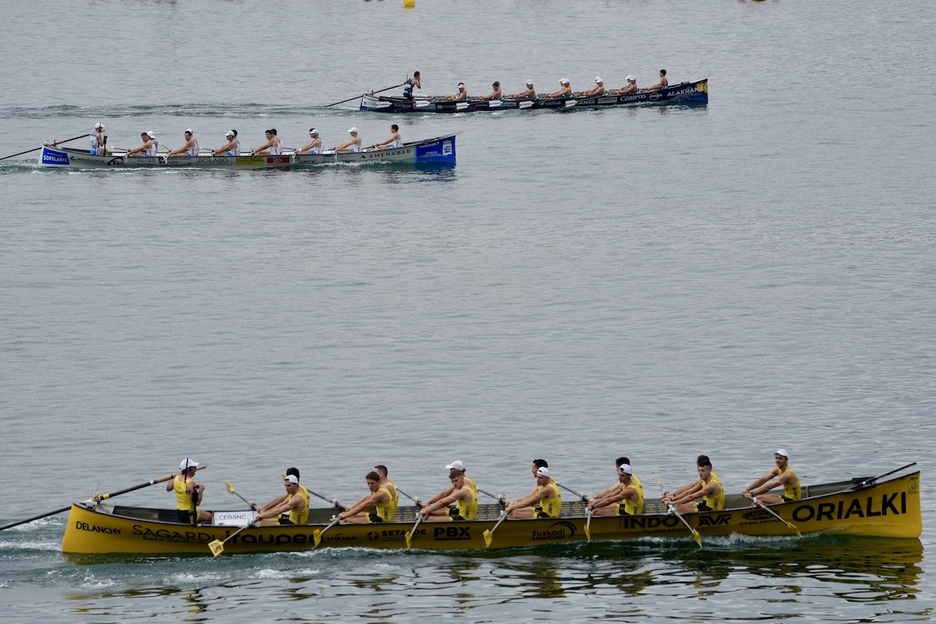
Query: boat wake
181,109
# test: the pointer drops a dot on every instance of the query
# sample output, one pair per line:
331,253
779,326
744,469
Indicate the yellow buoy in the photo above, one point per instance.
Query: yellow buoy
409,4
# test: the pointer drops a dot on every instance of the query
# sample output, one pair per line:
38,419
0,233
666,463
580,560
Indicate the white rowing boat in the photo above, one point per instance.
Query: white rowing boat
437,151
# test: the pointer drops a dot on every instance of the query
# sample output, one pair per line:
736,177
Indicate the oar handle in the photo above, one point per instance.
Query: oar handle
101,497
357,96
36,149
98,497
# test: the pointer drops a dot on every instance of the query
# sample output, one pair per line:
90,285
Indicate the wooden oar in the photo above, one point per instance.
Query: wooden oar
409,536
317,535
672,509
489,535
36,149
230,490
332,501
357,96
97,497
776,515
217,547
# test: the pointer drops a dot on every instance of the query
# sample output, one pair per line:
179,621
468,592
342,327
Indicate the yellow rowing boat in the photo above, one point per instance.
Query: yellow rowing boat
858,507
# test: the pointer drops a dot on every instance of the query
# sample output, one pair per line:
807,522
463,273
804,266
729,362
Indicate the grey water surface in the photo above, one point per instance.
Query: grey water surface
656,282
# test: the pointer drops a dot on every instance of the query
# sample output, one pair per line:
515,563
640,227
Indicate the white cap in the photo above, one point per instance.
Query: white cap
352,130
461,85
529,83
782,452
598,79
313,131
189,131
187,463
456,465
631,77
542,471
151,134
625,468
564,81
229,133
291,479
99,126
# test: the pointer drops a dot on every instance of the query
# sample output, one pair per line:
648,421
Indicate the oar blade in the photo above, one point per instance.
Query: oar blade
316,537
588,514
488,538
230,488
697,537
217,547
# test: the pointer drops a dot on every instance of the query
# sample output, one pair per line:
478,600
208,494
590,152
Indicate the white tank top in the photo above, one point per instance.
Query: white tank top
395,143
192,151
153,146
277,148
236,150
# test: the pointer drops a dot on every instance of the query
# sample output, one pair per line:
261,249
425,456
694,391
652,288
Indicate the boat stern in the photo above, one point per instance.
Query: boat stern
440,152
51,157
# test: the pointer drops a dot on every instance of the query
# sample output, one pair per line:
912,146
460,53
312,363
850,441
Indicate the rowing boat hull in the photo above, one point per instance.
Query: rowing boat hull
886,509
437,151
686,93
67,157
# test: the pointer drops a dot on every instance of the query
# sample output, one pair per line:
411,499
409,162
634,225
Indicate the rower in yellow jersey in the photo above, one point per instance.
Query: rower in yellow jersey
377,506
461,494
707,487
781,475
544,501
627,499
293,508
390,485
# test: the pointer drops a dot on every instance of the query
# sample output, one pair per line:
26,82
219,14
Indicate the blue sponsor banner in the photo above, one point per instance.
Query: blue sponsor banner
441,152
53,158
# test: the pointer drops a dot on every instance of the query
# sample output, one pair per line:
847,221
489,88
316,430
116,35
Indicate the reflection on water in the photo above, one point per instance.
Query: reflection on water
771,573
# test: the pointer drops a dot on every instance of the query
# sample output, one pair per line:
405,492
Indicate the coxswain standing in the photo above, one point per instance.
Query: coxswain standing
190,149
409,84
97,141
188,494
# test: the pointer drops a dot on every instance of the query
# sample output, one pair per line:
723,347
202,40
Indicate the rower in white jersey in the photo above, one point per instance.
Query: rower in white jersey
393,142
351,146
231,148
273,146
315,146
149,147
190,149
